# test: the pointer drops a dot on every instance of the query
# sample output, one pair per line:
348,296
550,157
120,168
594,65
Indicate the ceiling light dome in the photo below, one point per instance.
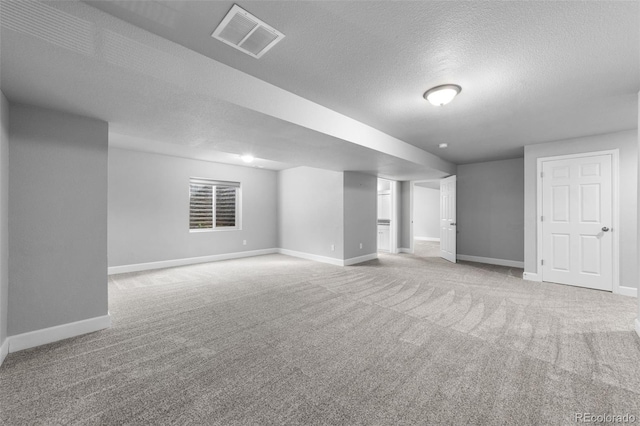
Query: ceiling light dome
442,95
247,158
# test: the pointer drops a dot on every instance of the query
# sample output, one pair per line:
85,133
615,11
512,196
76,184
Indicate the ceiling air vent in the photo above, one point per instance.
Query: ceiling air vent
245,32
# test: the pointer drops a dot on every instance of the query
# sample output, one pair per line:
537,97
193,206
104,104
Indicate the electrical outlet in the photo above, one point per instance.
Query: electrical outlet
244,242
333,247
360,246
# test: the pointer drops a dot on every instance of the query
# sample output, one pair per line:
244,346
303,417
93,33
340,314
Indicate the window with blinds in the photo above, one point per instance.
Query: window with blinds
213,204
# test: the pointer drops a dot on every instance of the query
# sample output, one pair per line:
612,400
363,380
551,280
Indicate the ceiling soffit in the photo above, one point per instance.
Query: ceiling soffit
530,72
76,58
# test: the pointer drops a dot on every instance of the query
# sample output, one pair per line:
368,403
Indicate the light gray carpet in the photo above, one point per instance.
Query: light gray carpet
403,340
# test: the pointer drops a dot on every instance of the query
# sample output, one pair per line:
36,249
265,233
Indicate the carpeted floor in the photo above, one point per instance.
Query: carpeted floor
271,340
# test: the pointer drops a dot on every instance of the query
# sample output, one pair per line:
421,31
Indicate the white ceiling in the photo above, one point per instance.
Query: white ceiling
530,72
555,70
162,97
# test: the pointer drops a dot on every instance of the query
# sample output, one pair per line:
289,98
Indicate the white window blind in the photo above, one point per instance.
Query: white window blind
213,204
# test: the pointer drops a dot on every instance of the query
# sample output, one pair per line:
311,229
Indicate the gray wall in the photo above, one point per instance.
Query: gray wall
405,237
4,214
627,143
426,212
149,208
490,209
360,214
57,218
310,211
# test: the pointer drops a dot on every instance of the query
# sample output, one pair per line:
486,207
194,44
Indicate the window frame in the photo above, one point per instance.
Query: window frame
214,183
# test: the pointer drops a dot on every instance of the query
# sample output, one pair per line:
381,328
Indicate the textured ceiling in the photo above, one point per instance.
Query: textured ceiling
159,96
530,72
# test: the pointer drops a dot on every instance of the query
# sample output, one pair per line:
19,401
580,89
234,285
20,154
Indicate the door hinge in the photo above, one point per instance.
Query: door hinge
542,174
542,262
541,218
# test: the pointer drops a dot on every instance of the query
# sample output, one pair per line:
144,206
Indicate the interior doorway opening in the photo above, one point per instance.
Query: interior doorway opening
388,213
426,218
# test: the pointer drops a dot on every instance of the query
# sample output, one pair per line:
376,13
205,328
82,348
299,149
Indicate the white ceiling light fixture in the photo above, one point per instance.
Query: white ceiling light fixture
243,31
247,158
442,95
443,145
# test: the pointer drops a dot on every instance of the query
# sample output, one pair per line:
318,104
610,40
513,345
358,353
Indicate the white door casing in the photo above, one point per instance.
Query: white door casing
577,221
448,219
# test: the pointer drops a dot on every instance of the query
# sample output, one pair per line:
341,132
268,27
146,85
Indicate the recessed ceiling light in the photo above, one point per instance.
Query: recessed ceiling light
442,95
247,158
443,145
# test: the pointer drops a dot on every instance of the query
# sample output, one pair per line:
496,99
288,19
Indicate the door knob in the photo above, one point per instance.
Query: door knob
605,229
452,224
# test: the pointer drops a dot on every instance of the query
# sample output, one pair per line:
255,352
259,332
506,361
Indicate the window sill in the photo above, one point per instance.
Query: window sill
197,231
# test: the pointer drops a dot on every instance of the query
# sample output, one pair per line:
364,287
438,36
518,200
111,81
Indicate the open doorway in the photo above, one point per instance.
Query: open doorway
387,216
433,218
426,218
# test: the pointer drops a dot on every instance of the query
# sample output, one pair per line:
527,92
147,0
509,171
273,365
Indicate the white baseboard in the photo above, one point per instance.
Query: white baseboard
360,259
638,326
309,256
491,261
405,250
187,261
627,291
531,276
329,260
59,332
4,350
426,239
227,256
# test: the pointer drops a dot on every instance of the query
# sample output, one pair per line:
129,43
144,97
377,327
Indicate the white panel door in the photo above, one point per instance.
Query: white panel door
448,219
576,222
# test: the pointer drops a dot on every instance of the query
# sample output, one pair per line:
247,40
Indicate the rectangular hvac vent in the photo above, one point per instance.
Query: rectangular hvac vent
245,32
